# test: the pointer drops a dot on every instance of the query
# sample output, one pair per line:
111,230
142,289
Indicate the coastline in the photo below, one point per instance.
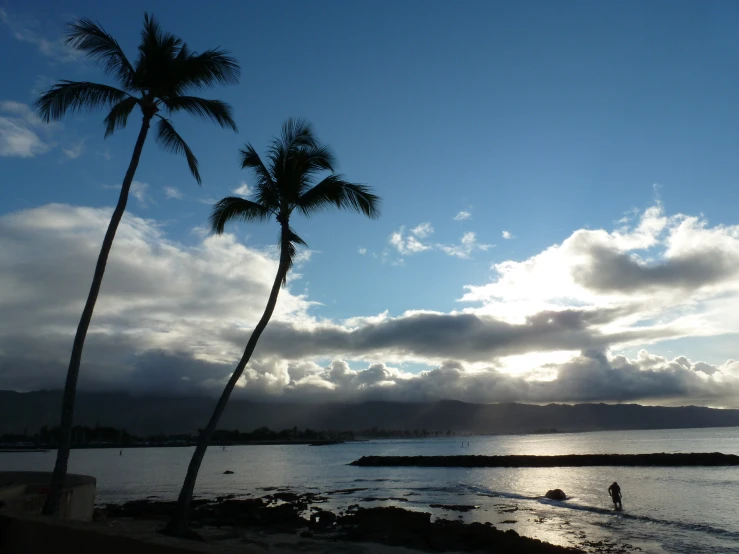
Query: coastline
314,522
296,522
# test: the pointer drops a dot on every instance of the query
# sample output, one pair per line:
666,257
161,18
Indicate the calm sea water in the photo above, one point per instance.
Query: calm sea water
684,510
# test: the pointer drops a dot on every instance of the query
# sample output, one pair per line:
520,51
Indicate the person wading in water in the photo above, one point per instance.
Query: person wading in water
615,491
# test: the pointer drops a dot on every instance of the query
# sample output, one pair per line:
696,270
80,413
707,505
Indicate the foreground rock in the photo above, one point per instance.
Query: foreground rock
389,526
568,460
556,494
399,527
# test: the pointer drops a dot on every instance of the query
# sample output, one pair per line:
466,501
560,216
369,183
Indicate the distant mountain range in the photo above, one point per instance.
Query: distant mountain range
151,415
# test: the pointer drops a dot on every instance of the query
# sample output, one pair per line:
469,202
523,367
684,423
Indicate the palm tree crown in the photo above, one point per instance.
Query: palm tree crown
286,183
159,81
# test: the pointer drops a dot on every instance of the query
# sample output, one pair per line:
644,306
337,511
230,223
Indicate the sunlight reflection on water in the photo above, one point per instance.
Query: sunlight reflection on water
675,509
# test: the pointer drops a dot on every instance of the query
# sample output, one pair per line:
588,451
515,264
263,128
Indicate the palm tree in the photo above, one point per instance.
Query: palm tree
283,186
157,82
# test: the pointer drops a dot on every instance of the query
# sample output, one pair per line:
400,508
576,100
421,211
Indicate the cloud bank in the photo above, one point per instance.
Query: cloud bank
174,318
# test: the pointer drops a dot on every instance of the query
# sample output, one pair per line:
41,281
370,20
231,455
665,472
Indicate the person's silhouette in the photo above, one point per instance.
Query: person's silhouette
615,491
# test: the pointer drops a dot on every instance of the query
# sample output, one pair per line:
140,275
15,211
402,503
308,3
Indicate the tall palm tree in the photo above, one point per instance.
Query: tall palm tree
283,186
157,83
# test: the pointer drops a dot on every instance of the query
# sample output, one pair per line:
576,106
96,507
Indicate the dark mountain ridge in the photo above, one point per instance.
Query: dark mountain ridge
146,415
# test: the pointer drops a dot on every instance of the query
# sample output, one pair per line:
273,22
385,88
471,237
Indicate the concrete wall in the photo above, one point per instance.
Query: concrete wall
24,492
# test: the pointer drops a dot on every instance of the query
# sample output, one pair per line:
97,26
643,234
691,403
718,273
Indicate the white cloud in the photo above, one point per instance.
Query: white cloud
158,296
507,235
173,193
423,230
407,244
549,328
21,111
673,275
461,216
28,30
19,131
362,251
243,189
467,246
18,140
75,150
140,191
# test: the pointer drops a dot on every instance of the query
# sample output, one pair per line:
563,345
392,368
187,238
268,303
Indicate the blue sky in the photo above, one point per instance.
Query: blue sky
535,118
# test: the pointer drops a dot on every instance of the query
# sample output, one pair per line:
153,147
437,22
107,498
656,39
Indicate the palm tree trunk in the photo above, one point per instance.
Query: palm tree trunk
178,525
51,506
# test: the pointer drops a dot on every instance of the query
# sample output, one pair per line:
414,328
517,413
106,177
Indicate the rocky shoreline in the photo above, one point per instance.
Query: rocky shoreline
284,511
568,460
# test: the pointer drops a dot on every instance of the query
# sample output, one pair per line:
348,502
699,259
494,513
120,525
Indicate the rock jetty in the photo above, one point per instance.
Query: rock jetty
568,460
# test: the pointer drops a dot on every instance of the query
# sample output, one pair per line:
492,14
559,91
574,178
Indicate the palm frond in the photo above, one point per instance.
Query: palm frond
75,96
156,41
170,140
157,49
318,158
335,191
204,70
297,134
292,240
91,38
305,163
218,111
118,115
266,189
235,208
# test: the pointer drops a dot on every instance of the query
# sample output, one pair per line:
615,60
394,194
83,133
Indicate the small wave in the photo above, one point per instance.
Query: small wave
568,504
449,489
482,491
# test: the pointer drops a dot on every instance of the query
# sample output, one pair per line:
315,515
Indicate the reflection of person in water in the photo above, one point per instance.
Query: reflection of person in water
615,491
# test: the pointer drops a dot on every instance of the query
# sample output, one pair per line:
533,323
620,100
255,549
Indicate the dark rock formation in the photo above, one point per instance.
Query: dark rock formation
568,460
455,507
399,527
322,520
390,526
556,494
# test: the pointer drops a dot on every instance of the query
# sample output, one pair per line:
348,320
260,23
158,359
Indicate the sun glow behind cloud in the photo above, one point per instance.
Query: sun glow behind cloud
547,328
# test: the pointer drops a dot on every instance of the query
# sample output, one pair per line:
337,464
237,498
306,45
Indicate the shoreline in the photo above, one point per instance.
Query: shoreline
284,517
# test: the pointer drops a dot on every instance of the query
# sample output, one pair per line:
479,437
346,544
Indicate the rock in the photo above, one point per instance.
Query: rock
455,507
228,472
388,519
254,511
286,496
322,520
565,460
399,527
390,525
556,494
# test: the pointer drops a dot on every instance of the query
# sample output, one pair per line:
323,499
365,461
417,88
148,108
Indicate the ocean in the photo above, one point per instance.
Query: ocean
680,510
